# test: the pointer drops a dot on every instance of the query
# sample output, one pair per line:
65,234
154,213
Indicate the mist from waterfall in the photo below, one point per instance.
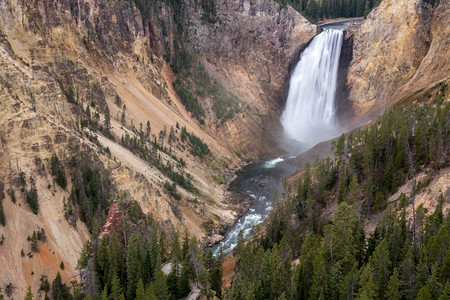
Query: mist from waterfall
309,114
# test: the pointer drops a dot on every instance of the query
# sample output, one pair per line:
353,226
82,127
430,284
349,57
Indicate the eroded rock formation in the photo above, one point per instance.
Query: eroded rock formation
400,49
57,58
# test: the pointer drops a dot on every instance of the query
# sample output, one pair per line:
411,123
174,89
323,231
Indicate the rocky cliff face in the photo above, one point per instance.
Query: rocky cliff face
59,57
400,49
256,41
250,50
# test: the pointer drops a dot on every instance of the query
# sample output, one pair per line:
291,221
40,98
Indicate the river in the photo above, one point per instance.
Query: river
260,182
308,118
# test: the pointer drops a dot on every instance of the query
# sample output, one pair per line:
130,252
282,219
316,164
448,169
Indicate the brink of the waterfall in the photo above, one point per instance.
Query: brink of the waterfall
309,114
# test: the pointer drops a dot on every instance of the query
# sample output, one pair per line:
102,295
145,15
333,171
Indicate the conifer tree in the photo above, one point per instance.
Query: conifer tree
107,120
349,284
160,282
433,284
134,264
28,296
116,289
354,189
140,293
215,275
148,130
88,111
60,291
407,274
380,265
101,262
334,281
320,278
2,213
183,283
122,118
114,248
446,292
150,292
148,272
368,287
340,237
424,294
392,292
173,278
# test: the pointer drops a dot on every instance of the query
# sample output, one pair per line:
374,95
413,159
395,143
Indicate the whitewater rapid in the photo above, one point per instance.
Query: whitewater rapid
260,182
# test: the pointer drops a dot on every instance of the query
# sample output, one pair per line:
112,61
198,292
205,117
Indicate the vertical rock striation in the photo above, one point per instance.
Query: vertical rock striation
401,48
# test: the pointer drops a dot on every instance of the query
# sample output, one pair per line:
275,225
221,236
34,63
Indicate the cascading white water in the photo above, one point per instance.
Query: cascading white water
309,115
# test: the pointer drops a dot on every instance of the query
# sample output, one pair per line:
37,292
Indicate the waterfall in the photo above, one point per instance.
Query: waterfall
309,115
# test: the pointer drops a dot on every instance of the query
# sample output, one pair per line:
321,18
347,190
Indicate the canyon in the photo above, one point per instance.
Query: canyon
59,57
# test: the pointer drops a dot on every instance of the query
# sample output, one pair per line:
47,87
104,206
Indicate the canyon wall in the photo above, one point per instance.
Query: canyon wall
400,49
250,50
57,58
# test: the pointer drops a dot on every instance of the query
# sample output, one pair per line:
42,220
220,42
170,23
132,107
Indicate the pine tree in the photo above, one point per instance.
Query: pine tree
116,289
150,292
407,277
134,264
392,292
445,293
342,186
88,111
2,213
101,262
122,118
148,130
172,278
160,282
183,282
34,242
140,293
114,248
107,120
266,279
185,246
28,296
148,272
368,286
340,237
349,284
353,196
433,284
104,295
60,291
424,294
368,195
380,263
320,278
215,275
334,281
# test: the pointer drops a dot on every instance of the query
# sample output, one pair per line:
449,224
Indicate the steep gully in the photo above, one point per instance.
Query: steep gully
309,117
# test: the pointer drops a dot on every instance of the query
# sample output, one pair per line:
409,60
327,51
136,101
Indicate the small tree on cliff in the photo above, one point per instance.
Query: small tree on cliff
28,296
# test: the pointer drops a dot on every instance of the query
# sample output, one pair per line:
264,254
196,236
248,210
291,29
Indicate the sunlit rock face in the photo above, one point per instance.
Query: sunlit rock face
401,48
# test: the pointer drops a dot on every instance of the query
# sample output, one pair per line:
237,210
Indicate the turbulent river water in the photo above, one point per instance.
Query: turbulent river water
260,182
308,118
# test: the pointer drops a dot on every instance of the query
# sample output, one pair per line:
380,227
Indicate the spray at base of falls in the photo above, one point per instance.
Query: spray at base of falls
309,115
